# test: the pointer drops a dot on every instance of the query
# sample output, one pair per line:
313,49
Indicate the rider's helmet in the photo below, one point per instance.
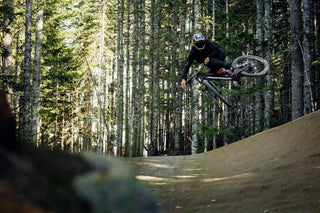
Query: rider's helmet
198,41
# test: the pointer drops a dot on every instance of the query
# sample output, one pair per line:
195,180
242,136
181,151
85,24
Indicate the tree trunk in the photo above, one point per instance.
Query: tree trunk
151,89
296,60
177,60
36,79
154,65
127,88
195,117
120,73
307,18
317,51
213,20
102,86
141,85
7,63
134,95
258,95
27,74
226,108
195,92
227,18
268,97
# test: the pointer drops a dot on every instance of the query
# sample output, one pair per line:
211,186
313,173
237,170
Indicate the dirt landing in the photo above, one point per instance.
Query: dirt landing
275,171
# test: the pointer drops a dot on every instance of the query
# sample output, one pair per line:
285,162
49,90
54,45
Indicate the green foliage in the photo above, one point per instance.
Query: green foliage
237,43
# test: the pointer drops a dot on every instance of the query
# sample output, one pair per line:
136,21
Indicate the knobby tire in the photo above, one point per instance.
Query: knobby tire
256,60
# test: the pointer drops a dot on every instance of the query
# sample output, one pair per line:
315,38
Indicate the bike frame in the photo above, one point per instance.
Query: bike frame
212,88
206,79
238,71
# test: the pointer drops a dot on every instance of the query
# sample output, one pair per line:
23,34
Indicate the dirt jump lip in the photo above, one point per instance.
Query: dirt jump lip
277,170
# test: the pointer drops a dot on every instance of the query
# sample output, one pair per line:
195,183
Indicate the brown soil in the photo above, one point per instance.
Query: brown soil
274,171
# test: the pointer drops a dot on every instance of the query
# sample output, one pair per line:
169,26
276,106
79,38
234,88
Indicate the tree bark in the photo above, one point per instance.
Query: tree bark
7,57
37,78
134,91
213,20
154,65
268,97
120,73
307,19
27,74
258,94
296,59
141,86
195,92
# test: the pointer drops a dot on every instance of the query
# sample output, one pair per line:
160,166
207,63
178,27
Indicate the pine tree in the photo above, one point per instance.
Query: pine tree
296,59
27,74
37,78
120,74
7,57
307,56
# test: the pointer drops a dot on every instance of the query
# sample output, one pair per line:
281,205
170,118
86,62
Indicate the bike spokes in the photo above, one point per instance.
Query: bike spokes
250,65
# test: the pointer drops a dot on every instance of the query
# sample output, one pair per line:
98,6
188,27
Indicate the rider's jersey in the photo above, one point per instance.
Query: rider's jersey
210,50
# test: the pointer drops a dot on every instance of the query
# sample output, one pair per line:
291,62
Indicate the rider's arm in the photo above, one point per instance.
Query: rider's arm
187,65
186,68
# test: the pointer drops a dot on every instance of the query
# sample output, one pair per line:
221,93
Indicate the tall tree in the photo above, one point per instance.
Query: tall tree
154,87
141,83
317,51
37,77
214,105
152,137
178,105
296,59
213,19
307,56
226,109
7,57
268,97
120,60
195,87
127,83
134,90
260,34
27,73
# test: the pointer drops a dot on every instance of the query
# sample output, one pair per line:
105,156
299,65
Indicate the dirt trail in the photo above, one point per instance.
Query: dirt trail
274,171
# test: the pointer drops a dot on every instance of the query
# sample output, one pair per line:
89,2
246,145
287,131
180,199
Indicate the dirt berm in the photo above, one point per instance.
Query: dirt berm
277,170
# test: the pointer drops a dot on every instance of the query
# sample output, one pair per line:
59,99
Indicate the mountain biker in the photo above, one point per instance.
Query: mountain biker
204,51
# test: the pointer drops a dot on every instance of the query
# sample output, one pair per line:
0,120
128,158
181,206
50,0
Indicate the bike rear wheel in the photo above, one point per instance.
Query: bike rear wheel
254,65
214,92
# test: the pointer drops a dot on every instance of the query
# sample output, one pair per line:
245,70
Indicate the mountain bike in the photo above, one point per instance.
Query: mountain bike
243,66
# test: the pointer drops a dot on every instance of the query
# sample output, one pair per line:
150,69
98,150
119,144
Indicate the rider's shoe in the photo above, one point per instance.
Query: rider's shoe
225,72
230,73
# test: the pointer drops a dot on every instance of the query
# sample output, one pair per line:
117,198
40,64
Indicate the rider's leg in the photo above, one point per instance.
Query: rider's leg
219,67
215,63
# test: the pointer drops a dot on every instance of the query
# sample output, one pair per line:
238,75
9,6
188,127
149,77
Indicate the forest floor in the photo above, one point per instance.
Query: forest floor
277,170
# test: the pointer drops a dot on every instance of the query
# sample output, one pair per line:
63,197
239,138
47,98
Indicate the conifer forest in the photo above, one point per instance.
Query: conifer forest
104,75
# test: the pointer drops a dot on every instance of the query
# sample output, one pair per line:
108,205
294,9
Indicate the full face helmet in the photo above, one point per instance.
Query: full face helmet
198,41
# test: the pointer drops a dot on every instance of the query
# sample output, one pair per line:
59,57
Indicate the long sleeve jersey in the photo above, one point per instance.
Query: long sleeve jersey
210,50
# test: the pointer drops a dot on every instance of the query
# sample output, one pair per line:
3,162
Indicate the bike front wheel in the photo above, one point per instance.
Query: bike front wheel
253,65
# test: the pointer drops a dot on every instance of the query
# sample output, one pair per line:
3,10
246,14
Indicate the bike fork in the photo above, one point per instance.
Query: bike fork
215,86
